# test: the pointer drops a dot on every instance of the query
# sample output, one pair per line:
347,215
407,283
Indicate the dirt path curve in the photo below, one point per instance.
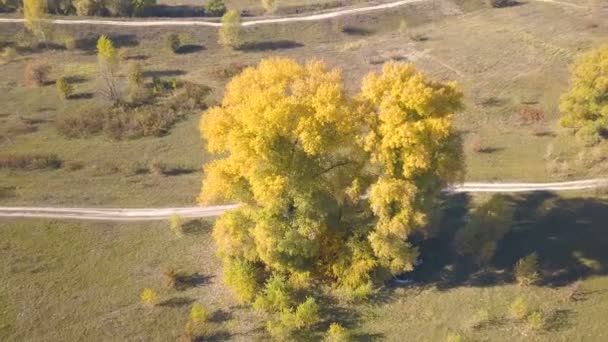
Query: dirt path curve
202,22
150,214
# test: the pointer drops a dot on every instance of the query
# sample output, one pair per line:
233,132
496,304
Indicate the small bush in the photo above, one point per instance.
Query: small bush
228,71
198,314
168,277
216,8
85,7
87,122
476,144
191,96
526,270
518,308
74,165
9,54
172,42
307,314
176,225
269,5
148,297
589,135
480,318
29,162
455,337
241,276
64,88
36,73
337,333
536,320
530,115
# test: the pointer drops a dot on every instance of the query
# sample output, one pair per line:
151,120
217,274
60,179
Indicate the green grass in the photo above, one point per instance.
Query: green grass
82,281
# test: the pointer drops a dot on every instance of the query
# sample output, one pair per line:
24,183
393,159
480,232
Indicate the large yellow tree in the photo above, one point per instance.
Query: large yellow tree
585,106
300,155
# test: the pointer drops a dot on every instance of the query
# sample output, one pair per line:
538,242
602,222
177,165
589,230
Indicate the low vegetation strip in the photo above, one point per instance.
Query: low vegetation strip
151,214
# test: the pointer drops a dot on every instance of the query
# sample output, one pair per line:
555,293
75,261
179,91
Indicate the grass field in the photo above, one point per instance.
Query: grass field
81,281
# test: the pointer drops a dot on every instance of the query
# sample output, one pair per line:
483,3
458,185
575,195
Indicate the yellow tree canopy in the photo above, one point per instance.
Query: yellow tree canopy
586,104
299,152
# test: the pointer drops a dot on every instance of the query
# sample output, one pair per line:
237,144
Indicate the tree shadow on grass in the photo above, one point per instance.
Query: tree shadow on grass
270,45
196,226
176,302
164,73
82,96
356,31
187,281
569,235
189,48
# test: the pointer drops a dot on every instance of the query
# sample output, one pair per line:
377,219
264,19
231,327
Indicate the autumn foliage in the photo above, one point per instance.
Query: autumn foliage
300,154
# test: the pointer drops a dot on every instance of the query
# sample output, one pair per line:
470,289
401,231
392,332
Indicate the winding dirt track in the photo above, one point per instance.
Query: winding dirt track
150,214
202,22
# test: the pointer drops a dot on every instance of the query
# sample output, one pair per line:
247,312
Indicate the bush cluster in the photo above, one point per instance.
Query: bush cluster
118,122
29,161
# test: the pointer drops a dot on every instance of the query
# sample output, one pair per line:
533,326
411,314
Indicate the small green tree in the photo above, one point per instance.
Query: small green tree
107,58
337,333
216,7
64,88
135,78
148,297
585,106
85,7
307,314
172,42
34,13
518,308
176,225
270,5
536,320
241,276
198,314
526,270
230,32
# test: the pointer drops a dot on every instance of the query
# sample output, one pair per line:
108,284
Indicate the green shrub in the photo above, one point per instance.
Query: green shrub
148,297
486,226
518,308
64,88
216,8
337,333
176,225
241,276
307,314
198,314
536,320
85,7
589,135
172,42
276,296
526,270
9,53
29,162
230,32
